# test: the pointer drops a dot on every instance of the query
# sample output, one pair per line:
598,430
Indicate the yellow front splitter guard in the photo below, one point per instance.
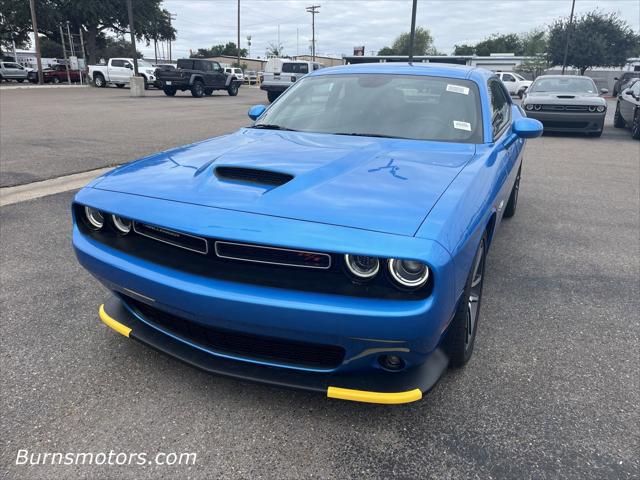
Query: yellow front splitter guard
374,397
112,323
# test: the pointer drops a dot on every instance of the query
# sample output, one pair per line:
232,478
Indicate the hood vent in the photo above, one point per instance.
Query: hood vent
253,175
565,96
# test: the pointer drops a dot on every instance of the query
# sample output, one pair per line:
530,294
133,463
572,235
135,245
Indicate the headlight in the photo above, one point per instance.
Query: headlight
592,108
529,106
601,108
95,218
408,273
123,225
537,106
361,266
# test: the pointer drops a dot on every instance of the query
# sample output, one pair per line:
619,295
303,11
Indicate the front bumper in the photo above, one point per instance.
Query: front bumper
569,121
403,387
279,88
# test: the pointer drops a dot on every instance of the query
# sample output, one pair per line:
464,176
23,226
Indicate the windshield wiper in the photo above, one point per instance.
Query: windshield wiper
378,135
271,126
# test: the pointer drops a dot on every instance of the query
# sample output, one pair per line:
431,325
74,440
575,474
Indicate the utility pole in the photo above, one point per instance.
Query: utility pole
238,33
72,47
313,9
297,42
13,44
64,52
249,45
566,45
133,38
413,30
84,57
34,22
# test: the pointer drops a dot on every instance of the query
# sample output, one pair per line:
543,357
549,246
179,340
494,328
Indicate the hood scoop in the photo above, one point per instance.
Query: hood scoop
565,96
252,175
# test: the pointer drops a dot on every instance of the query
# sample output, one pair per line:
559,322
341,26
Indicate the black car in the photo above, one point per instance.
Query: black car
199,76
628,110
623,80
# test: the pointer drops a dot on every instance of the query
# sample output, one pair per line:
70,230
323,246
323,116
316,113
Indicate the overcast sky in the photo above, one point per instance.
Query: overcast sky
343,24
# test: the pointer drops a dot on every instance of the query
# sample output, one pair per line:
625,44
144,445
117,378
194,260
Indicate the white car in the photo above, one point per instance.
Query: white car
234,72
516,84
119,72
280,73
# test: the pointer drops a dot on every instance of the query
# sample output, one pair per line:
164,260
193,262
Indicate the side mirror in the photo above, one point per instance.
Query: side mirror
255,111
527,127
129,66
628,92
604,91
616,78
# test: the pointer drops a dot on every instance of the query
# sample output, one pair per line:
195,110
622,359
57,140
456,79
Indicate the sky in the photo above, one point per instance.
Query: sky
344,24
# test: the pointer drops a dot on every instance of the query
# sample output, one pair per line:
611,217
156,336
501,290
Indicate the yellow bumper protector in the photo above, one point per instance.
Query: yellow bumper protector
374,397
111,323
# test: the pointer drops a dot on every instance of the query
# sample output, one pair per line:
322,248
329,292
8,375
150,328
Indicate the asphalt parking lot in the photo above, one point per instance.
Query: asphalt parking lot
553,389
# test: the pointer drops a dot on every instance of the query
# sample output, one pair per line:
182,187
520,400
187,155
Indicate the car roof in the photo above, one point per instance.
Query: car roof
396,68
563,76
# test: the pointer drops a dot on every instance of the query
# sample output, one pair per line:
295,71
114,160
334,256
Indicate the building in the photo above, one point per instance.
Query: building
324,61
497,61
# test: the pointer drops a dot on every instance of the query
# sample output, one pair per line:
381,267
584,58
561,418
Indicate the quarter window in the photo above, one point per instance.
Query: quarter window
117,63
500,108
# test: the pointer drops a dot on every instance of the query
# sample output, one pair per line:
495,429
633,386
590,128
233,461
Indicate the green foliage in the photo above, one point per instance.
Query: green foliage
112,47
496,43
534,42
595,40
229,49
275,50
386,51
422,45
50,48
15,20
464,49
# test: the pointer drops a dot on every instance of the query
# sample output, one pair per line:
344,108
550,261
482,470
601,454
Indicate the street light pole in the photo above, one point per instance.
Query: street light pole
566,45
133,38
238,33
313,9
34,22
413,29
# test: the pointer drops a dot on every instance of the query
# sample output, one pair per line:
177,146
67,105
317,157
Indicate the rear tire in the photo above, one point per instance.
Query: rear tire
272,96
618,121
146,84
98,81
20,80
208,92
512,204
169,91
197,89
56,80
595,134
462,331
233,90
120,85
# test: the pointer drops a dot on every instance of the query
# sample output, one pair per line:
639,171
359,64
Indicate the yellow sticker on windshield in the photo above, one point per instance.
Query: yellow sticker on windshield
462,125
457,89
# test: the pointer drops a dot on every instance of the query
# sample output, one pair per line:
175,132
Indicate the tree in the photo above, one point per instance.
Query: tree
50,48
386,51
112,47
464,49
15,23
275,50
229,49
534,43
497,43
595,40
422,44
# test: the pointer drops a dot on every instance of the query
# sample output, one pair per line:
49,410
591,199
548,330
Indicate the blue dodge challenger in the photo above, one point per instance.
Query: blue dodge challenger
338,244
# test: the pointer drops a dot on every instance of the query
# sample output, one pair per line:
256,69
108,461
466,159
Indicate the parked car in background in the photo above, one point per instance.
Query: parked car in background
280,74
12,71
161,66
628,109
516,84
235,71
566,103
55,74
622,82
337,245
250,77
199,76
119,71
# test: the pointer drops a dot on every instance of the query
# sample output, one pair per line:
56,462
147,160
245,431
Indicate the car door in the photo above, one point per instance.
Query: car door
13,70
510,82
120,71
628,102
219,78
506,143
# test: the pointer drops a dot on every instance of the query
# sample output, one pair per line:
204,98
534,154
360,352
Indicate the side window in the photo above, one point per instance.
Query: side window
117,63
500,108
208,66
316,66
215,66
508,78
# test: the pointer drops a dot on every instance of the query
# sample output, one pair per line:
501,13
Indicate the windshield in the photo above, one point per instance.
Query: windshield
564,85
519,77
399,106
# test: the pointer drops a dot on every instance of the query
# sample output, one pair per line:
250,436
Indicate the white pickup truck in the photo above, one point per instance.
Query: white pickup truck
119,72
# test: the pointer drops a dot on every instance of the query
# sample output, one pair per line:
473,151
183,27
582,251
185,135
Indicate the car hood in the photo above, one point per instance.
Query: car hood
385,185
564,98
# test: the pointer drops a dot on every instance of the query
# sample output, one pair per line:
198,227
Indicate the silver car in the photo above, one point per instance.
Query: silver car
566,103
12,71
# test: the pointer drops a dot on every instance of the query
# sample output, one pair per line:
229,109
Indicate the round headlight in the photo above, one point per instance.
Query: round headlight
408,273
592,108
123,225
538,107
361,266
601,108
95,218
529,106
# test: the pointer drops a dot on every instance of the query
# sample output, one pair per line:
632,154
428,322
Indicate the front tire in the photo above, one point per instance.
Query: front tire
120,85
233,90
98,81
197,89
512,204
56,80
635,126
462,331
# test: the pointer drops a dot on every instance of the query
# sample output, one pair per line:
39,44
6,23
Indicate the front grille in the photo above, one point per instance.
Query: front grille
565,108
552,124
256,347
253,175
271,255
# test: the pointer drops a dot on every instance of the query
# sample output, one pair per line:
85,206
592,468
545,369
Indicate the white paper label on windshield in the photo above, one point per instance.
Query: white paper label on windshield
458,89
462,125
